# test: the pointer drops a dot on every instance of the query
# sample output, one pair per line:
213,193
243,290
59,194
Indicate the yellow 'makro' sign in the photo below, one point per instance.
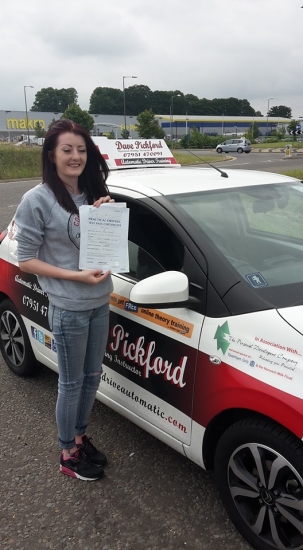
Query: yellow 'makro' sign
21,123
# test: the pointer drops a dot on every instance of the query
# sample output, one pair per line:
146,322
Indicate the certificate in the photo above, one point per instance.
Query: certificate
104,237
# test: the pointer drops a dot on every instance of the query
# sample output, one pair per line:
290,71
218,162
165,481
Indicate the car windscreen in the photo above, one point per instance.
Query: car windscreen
258,230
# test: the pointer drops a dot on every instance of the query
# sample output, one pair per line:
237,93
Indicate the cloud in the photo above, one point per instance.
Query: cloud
247,50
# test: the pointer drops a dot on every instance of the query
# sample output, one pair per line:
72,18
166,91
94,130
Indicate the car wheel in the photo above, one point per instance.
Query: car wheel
219,150
259,471
240,150
14,342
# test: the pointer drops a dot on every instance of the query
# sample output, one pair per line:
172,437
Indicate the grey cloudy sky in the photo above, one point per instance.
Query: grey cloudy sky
211,48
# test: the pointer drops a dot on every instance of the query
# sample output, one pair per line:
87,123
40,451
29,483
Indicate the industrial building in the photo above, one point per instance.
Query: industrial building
14,124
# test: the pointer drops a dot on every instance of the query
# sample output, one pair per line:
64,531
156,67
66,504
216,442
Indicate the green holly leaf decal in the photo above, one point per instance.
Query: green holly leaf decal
220,337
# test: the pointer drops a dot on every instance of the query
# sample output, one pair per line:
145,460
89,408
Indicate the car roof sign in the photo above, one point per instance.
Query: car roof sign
135,153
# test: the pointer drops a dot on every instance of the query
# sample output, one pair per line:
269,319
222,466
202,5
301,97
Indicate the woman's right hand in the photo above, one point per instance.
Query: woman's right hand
92,276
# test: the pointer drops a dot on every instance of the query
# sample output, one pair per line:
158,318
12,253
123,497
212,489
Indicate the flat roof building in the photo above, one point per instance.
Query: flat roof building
13,124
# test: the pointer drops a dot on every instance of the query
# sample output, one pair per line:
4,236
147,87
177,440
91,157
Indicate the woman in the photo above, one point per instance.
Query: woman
48,235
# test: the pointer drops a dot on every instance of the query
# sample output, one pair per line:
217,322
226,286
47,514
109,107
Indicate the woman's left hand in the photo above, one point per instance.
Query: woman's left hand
103,200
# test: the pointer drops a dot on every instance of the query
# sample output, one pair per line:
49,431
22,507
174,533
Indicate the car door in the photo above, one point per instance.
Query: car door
150,361
228,145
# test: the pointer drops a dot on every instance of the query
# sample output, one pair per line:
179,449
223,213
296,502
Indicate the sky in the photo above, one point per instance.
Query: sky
210,48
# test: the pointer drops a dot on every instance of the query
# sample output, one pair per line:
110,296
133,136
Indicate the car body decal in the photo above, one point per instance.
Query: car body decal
152,360
153,315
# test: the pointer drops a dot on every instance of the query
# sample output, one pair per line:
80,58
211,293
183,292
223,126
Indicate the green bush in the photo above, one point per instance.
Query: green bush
19,162
195,140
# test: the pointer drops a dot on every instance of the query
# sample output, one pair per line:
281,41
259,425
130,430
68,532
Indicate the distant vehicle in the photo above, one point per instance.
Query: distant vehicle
234,145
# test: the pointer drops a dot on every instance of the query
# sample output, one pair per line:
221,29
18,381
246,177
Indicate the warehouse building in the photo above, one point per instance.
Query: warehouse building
16,125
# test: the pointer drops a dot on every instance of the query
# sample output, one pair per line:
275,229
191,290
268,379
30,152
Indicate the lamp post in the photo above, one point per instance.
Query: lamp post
9,134
267,115
172,114
26,111
124,99
223,123
130,122
300,138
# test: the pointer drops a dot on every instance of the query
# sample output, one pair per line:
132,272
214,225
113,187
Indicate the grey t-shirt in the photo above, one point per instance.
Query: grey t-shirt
48,232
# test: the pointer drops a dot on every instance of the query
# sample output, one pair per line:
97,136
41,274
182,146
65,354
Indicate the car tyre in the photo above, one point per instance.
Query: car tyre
259,472
239,150
14,341
219,150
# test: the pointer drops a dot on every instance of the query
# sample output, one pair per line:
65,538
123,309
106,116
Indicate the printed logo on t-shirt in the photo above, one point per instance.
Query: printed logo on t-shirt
73,229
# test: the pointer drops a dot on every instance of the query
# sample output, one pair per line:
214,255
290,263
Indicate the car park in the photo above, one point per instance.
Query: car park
206,332
238,145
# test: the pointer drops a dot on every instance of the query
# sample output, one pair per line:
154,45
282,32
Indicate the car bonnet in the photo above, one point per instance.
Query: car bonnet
294,317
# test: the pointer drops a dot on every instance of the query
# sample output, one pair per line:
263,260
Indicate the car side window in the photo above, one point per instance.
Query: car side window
153,247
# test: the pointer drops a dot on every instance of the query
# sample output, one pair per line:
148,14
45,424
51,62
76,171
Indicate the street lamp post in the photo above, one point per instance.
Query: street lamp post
172,115
300,138
124,99
9,134
130,121
267,115
26,111
223,124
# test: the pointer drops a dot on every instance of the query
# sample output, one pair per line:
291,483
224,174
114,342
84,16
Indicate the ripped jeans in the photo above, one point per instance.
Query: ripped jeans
81,338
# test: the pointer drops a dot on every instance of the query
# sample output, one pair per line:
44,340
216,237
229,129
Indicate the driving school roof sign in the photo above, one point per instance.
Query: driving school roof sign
135,153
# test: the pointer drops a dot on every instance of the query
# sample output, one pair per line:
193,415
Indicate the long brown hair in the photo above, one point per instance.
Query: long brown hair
92,181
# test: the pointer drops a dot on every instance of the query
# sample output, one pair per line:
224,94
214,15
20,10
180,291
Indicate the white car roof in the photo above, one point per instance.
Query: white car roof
153,182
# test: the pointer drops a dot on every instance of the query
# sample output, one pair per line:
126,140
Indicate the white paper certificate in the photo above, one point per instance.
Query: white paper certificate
104,237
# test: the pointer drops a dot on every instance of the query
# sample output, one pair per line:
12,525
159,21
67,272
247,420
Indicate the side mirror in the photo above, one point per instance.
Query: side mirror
165,290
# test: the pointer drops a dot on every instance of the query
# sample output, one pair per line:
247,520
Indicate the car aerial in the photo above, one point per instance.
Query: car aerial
238,145
206,328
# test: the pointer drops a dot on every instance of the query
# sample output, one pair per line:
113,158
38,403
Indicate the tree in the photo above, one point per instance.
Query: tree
125,133
53,100
39,131
292,128
52,122
75,113
148,127
253,131
280,111
137,99
108,101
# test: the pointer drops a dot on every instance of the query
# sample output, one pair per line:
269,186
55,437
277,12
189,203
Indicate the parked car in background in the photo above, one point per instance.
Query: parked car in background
238,145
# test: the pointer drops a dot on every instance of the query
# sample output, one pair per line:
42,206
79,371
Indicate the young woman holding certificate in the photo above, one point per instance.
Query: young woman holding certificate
48,236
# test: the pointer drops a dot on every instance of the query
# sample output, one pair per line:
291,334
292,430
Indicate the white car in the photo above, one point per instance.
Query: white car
236,145
205,349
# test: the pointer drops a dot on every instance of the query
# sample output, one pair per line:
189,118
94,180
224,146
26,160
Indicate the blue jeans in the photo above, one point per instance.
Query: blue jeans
81,338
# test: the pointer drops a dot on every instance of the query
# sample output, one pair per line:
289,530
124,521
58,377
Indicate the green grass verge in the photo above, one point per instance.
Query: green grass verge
25,162
19,162
298,174
277,145
187,159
